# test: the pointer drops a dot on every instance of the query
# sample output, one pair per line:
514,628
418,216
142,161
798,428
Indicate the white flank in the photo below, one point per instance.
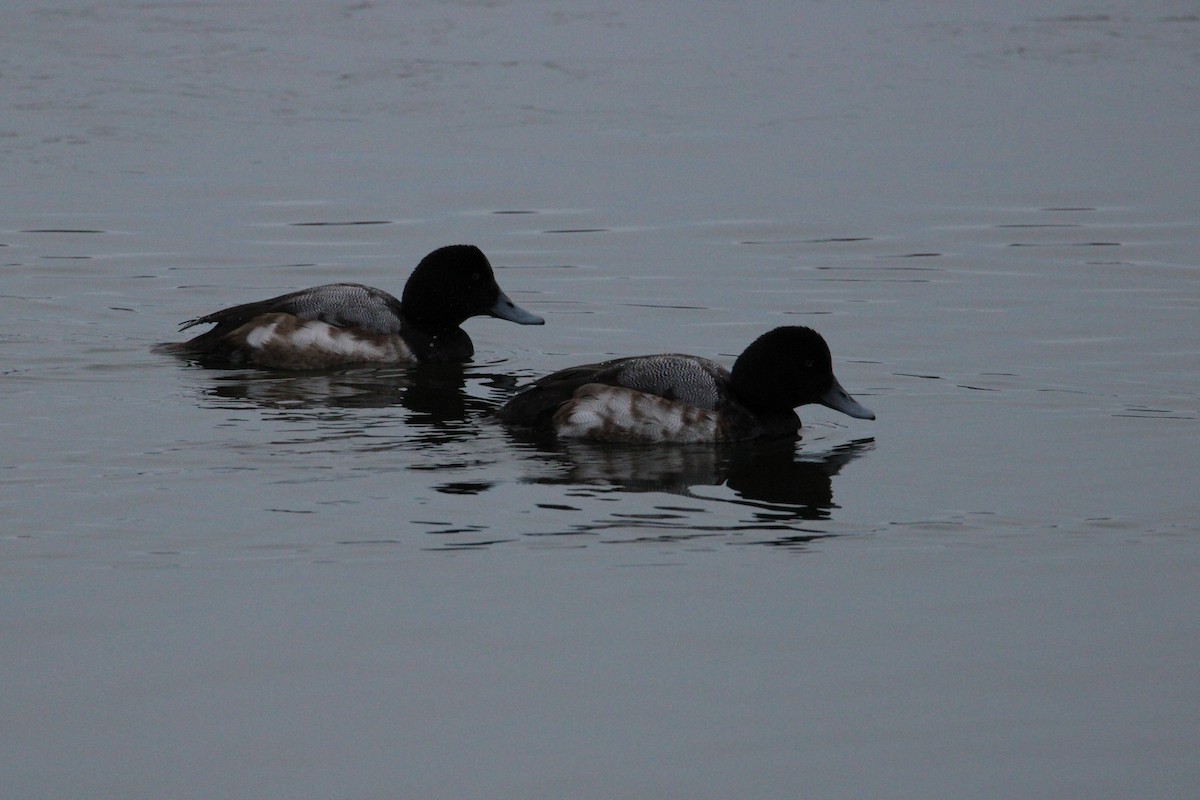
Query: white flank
260,335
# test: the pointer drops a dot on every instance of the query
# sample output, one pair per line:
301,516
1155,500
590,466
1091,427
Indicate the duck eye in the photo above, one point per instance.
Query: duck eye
808,362
475,276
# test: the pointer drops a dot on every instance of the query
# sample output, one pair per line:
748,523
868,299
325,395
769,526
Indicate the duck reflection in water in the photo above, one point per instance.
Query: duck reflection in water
767,475
440,408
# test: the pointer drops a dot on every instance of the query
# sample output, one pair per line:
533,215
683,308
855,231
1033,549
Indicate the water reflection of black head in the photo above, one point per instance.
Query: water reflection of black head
768,475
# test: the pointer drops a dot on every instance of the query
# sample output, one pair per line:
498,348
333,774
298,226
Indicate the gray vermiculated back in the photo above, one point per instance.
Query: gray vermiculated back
346,305
690,379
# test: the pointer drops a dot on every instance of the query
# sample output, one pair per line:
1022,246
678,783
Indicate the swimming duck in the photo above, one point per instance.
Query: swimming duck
683,398
348,323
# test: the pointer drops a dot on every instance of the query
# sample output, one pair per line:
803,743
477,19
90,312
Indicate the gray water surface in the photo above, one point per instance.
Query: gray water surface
233,583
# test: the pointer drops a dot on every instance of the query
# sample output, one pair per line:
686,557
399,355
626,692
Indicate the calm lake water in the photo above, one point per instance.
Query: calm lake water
354,584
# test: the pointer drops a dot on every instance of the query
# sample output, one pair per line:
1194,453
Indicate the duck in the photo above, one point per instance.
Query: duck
674,397
340,324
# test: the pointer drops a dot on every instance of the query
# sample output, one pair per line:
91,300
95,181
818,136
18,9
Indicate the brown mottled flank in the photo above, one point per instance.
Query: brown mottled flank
282,340
617,414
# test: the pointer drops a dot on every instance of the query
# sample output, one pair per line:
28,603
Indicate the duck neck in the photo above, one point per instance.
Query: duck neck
758,394
431,344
